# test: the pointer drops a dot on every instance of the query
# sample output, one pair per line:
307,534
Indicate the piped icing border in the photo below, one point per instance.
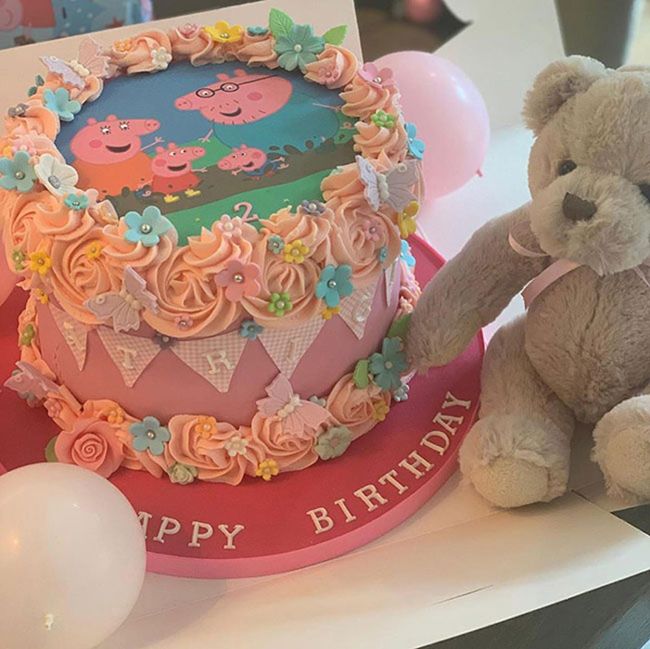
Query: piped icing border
80,253
288,432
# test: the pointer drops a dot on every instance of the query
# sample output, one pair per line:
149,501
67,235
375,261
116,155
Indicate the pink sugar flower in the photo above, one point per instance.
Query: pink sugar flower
239,280
188,30
375,77
183,322
371,230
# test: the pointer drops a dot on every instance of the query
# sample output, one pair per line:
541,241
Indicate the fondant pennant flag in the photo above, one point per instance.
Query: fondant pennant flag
389,281
131,354
74,333
215,359
286,347
356,309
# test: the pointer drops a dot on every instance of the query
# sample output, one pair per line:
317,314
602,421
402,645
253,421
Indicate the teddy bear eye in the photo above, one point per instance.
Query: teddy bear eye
645,190
566,167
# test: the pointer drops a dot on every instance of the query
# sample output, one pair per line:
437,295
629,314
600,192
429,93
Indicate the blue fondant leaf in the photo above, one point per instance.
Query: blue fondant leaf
336,35
280,23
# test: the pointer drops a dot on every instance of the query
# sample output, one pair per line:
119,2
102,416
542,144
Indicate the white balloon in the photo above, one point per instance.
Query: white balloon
72,558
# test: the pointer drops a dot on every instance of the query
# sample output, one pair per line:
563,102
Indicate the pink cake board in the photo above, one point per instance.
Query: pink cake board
353,499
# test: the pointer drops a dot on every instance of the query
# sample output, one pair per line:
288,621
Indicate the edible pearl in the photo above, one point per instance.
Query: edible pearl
280,304
151,434
54,181
145,228
297,48
207,428
331,283
372,229
295,252
238,277
19,175
388,365
377,79
225,35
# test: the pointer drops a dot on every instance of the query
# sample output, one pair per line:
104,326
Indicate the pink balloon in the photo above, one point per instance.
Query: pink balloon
7,278
450,115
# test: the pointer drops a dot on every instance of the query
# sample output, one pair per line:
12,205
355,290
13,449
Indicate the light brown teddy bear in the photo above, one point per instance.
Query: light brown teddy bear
582,351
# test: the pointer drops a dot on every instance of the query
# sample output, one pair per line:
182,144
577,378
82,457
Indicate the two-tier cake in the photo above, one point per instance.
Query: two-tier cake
216,253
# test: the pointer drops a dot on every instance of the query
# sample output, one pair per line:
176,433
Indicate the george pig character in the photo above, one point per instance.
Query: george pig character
109,155
253,162
173,173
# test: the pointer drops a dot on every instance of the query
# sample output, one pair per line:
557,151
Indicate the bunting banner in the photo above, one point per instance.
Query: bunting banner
356,309
74,333
131,354
215,359
286,347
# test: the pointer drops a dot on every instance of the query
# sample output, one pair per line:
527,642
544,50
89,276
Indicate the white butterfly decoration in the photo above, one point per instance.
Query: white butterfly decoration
91,60
123,309
393,188
297,415
27,380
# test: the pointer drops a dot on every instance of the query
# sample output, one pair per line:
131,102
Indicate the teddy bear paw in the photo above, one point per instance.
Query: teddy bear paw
623,449
514,460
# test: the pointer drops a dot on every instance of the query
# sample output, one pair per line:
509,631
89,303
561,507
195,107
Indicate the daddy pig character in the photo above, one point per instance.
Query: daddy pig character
172,171
240,99
253,162
109,155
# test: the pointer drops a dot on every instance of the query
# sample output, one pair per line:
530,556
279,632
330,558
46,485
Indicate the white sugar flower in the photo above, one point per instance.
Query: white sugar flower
59,178
161,58
236,445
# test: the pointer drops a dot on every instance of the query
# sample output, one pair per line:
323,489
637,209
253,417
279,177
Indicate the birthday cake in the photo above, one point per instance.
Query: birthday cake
212,227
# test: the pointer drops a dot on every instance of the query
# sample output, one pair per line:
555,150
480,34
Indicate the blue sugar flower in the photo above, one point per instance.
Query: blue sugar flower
77,202
416,147
407,255
387,366
313,208
257,31
334,284
382,255
275,244
298,48
147,227
17,173
59,102
333,442
149,435
250,329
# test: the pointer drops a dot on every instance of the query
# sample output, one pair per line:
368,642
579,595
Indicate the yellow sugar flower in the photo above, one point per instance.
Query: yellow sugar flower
267,469
295,252
40,262
94,250
125,45
406,219
380,410
328,312
224,32
115,416
206,427
41,295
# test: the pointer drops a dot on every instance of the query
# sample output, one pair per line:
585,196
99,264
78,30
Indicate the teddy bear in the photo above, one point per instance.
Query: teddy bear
580,251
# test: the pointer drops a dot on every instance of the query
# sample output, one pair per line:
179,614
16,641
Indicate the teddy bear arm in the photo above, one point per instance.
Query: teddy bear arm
470,291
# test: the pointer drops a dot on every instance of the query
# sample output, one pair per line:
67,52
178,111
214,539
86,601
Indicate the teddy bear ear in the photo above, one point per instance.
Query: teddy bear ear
556,84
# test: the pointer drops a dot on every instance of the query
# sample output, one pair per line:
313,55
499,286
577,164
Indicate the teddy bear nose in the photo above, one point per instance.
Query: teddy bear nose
578,209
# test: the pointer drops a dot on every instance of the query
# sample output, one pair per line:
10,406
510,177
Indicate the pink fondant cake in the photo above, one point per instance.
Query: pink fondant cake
216,258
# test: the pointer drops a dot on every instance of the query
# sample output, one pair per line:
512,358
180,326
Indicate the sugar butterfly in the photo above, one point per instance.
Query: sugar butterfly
296,414
27,380
123,309
393,188
91,60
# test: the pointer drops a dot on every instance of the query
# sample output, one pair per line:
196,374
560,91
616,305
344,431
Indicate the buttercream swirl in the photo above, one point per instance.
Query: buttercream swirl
373,141
138,57
359,234
37,120
354,407
208,452
362,99
257,51
19,212
336,67
55,220
292,453
199,47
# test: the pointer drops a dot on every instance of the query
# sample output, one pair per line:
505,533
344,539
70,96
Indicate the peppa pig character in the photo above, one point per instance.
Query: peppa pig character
240,99
172,171
253,162
109,155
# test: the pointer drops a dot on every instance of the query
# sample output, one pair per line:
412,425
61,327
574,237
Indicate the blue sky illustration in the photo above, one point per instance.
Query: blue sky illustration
310,114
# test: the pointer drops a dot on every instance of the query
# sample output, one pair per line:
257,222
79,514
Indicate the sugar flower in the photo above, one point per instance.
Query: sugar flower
58,178
334,284
17,173
146,228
